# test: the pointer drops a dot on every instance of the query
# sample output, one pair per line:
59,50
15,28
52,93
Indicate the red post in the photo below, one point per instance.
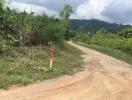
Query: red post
51,57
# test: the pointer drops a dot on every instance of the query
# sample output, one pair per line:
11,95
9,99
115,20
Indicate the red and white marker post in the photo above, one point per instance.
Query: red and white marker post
51,57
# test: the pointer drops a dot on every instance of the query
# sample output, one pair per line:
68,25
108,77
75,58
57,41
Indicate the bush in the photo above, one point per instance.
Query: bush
27,29
110,40
53,32
4,45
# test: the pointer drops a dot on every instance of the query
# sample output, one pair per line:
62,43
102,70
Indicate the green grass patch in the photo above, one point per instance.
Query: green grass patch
29,64
127,57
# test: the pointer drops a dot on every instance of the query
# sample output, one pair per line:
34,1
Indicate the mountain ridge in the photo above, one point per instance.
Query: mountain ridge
93,25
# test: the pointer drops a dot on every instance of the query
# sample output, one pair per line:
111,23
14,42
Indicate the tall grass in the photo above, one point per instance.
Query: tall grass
119,54
30,64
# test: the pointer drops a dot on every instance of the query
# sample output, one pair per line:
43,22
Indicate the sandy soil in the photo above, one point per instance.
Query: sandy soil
103,78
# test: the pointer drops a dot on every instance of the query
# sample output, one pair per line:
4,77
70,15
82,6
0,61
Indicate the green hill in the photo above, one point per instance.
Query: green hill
94,25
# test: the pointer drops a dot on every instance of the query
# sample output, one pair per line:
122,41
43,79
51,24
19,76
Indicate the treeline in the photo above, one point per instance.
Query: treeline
25,29
121,40
94,25
21,28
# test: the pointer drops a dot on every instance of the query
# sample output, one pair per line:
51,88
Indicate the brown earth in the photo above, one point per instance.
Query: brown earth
103,78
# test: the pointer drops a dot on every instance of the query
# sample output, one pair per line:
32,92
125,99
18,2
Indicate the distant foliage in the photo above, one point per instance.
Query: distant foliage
127,32
94,25
104,38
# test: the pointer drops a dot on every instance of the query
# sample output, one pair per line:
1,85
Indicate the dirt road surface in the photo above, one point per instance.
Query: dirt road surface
103,78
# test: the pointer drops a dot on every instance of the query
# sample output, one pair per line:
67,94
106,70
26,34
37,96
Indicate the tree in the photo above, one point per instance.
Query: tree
2,4
1,10
1,16
127,32
64,15
102,31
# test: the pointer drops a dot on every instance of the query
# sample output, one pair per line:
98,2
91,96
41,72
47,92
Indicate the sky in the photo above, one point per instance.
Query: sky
114,11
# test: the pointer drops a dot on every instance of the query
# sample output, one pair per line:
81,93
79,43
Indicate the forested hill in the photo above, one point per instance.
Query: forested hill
94,25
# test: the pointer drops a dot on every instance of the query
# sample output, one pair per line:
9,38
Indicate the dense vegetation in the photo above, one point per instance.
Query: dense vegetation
22,29
121,41
25,42
94,25
26,29
23,65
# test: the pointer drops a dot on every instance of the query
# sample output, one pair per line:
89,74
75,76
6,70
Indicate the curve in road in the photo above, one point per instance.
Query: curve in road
103,78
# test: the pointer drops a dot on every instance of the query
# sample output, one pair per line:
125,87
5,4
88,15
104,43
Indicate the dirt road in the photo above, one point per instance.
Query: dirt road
103,78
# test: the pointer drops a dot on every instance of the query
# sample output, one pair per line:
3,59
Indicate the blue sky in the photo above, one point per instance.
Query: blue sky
117,11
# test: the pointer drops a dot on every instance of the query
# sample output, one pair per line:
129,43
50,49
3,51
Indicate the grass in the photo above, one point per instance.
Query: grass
126,57
29,64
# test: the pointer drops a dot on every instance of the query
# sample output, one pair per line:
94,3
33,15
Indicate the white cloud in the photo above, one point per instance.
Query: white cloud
31,8
119,11
91,9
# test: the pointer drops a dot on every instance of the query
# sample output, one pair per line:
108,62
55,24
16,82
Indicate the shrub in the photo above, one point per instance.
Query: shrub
4,45
110,40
